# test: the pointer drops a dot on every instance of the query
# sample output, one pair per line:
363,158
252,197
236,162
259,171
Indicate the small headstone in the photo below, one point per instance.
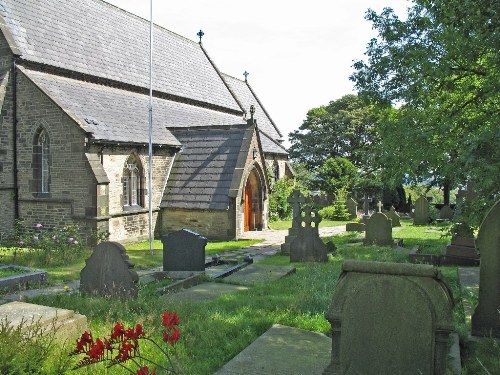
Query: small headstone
486,317
366,208
109,273
307,246
355,227
369,335
446,213
380,205
183,250
378,230
394,216
321,200
421,214
296,200
352,208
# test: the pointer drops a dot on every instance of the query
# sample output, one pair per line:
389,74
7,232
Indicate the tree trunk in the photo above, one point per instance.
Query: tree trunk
446,191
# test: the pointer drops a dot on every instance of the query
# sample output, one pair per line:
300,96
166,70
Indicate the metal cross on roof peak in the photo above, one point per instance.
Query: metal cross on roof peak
200,34
246,74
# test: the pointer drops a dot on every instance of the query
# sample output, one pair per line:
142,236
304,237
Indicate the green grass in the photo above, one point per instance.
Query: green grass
286,224
215,331
6,272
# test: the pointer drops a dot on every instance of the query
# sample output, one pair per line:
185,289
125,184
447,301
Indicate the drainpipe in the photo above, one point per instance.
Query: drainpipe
14,130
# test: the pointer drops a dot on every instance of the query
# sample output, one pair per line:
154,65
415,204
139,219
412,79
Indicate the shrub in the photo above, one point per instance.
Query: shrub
279,208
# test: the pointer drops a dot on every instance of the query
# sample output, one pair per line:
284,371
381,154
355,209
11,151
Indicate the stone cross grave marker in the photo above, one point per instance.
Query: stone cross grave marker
369,335
380,205
307,246
421,214
378,230
486,317
296,200
183,250
109,273
394,216
352,208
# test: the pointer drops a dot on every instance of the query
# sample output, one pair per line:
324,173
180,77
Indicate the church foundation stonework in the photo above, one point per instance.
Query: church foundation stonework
389,318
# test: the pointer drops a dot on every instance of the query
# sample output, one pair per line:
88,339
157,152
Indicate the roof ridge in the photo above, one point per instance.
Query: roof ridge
263,108
273,140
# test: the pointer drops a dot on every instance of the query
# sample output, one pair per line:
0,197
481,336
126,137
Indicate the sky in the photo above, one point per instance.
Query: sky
299,53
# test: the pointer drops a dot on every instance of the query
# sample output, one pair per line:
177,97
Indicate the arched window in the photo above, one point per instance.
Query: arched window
41,156
133,183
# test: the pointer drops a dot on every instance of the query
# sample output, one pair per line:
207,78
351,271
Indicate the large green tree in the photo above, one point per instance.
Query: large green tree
343,128
440,68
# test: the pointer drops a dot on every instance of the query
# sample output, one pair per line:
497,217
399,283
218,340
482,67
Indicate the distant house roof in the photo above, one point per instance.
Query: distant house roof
117,115
203,171
98,39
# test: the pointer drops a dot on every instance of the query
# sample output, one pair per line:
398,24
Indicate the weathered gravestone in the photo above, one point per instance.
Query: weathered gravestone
352,208
296,200
421,214
378,230
183,250
394,216
366,208
486,317
307,246
389,318
446,213
109,273
355,227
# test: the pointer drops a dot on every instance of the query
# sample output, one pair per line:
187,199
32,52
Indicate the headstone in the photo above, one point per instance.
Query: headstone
109,273
183,250
296,200
352,208
446,213
321,200
389,318
355,227
307,246
379,205
421,214
394,216
486,318
366,208
378,230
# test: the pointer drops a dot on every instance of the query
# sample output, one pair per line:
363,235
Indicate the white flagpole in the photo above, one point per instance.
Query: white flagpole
150,187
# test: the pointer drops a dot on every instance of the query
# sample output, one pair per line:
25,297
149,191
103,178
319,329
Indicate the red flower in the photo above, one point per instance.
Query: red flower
173,337
125,351
144,370
84,342
170,320
118,331
96,351
138,331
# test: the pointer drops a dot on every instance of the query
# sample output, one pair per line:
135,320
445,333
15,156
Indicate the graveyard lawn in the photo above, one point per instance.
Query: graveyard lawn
285,224
213,332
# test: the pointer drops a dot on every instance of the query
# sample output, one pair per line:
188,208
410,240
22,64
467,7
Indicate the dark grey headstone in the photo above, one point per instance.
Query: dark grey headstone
183,250
296,200
389,318
109,273
378,230
446,213
394,216
486,318
352,208
307,246
421,215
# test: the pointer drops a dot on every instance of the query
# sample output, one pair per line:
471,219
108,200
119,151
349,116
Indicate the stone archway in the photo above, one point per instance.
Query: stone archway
253,209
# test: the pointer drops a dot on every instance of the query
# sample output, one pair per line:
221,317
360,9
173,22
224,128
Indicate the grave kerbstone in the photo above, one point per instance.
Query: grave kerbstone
355,227
486,317
389,318
109,273
394,216
307,245
378,230
183,250
352,208
446,213
421,213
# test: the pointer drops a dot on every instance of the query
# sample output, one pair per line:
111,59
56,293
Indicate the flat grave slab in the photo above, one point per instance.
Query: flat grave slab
68,324
282,350
204,292
258,274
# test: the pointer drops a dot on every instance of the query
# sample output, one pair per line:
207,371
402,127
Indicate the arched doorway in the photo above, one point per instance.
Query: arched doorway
253,202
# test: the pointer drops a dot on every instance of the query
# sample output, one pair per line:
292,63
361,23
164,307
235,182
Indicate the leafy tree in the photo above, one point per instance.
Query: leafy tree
343,128
441,67
337,174
279,208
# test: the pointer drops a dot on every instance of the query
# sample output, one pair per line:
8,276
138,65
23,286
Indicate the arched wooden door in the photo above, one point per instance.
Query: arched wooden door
253,202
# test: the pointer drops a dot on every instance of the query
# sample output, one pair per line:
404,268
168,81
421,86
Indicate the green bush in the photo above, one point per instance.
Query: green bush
279,208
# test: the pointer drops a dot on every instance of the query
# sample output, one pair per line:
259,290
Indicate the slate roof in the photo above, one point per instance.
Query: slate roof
270,146
96,38
247,97
202,173
117,115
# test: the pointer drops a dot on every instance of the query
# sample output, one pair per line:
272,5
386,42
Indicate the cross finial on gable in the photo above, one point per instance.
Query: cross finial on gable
200,34
252,111
246,74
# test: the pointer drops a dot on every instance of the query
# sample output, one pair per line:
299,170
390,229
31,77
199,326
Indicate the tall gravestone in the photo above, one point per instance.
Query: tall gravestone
421,214
378,230
109,273
389,318
183,250
486,317
394,216
352,208
296,200
366,208
307,246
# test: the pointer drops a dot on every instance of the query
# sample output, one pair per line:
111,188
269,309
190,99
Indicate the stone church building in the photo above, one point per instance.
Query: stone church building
74,91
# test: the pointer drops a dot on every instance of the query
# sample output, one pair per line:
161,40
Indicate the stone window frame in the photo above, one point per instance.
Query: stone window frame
133,182
42,161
